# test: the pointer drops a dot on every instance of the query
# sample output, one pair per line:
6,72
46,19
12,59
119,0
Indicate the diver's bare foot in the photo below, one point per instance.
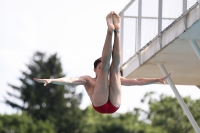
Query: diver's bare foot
109,20
116,21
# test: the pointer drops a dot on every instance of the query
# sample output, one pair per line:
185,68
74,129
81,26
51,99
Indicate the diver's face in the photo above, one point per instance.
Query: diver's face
97,69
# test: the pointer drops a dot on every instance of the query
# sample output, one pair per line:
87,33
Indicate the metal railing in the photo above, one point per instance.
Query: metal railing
143,20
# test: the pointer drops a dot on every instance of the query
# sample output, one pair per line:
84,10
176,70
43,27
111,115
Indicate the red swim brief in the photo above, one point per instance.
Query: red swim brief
107,108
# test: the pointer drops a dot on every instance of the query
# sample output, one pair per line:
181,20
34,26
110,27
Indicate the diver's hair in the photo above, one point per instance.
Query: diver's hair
96,62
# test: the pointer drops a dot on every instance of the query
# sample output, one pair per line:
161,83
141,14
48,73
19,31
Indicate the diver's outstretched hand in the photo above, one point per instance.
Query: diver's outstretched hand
162,80
45,81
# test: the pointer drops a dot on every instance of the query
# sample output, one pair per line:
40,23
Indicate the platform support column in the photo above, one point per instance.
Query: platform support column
182,103
195,47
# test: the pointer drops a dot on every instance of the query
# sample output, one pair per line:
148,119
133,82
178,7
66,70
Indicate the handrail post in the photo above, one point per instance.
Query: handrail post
184,6
139,24
160,16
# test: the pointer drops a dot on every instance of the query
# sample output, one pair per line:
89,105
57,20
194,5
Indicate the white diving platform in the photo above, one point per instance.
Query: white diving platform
172,48
175,48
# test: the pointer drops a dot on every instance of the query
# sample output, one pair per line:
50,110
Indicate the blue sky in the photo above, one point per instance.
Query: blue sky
74,29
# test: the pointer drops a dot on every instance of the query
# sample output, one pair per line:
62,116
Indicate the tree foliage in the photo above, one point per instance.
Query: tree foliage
57,103
23,123
57,107
167,114
93,122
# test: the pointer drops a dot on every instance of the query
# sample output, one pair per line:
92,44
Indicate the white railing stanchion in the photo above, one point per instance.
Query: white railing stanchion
139,25
184,6
160,5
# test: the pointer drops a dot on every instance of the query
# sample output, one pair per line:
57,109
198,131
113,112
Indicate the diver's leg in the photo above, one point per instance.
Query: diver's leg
101,90
115,83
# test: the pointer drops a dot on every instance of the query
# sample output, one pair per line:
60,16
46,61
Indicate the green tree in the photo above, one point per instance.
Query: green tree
93,122
56,103
166,113
23,123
